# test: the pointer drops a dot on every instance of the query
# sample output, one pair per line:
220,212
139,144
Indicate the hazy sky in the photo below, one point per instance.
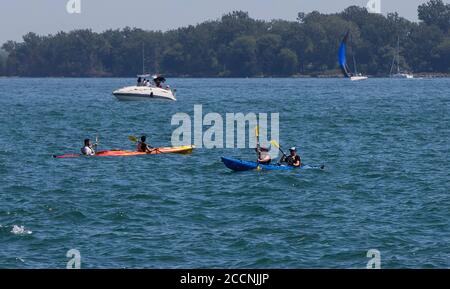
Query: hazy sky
17,17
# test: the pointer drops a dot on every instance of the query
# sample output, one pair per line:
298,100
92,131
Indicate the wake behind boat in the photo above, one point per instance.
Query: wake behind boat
146,89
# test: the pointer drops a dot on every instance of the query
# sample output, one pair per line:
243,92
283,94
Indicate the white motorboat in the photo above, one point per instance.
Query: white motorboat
146,90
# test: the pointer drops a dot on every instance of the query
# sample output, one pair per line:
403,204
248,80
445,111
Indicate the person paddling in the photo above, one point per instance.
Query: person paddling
263,155
261,152
142,146
293,159
88,149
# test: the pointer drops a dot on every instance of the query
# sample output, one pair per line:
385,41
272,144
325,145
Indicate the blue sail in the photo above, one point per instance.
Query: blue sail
343,56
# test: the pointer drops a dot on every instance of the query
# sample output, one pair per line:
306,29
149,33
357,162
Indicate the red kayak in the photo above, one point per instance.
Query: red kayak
122,153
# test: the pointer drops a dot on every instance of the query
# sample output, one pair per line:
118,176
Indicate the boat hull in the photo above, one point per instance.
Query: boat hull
133,93
240,166
403,76
124,153
358,78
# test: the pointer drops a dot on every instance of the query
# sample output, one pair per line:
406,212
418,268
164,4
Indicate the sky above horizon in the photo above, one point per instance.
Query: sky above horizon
44,17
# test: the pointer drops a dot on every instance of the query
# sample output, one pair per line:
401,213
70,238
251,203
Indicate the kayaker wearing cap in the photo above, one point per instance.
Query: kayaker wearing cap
142,146
88,149
293,159
263,156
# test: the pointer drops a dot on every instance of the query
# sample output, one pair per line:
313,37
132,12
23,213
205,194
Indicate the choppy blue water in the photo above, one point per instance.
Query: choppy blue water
385,144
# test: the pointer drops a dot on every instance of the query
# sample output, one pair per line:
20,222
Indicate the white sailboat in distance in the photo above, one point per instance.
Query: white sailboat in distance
396,61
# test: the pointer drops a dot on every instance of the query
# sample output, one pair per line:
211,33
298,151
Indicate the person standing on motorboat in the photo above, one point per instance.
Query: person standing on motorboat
139,81
293,159
142,146
88,149
157,79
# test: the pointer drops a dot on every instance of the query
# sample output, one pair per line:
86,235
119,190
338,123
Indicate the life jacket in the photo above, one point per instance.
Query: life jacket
139,146
87,151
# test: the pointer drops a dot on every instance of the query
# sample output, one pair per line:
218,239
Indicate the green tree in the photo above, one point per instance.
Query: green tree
423,53
174,60
242,56
287,62
268,46
435,12
443,52
3,60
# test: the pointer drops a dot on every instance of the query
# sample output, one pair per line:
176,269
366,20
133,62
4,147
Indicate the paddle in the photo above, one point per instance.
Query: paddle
96,141
276,144
133,138
257,142
258,168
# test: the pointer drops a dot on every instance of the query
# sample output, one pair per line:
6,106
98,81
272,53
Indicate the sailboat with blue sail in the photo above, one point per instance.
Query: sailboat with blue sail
353,76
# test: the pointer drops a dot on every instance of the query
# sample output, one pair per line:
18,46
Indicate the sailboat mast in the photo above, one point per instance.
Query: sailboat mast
354,58
398,54
354,63
143,58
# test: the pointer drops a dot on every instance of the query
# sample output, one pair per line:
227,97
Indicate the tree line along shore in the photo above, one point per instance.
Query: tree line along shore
238,46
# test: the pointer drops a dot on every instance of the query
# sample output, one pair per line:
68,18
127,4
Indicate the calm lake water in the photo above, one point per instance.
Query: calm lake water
386,186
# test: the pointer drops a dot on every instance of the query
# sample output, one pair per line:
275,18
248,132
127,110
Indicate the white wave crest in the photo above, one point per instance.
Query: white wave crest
20,230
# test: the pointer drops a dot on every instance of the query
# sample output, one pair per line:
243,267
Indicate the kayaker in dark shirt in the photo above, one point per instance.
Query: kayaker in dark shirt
263,156
293,159
142,146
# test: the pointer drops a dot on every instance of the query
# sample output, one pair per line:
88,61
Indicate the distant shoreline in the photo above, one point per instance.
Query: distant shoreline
236,45
416,75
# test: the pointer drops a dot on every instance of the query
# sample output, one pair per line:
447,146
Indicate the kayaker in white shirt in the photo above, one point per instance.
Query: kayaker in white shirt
263,156
88,149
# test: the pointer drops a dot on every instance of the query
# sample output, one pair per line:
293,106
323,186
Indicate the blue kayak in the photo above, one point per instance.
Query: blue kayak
240,165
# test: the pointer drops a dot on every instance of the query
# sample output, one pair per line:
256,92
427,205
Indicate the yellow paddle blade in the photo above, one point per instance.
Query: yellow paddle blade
257,131
133,138
274,142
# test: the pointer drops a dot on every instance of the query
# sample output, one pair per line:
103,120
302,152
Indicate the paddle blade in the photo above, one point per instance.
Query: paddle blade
133,138
275,143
